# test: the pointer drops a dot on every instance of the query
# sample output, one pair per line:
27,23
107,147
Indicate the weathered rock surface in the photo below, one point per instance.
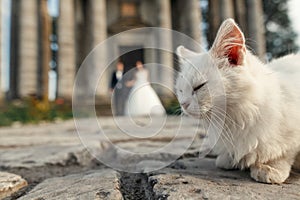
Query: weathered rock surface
199,179
10,183
102,184
34,146
57,165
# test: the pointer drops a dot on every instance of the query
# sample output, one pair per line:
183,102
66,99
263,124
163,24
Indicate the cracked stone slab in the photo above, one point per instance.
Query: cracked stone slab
10,183
50,144
36,156
142,156
100,184
200,179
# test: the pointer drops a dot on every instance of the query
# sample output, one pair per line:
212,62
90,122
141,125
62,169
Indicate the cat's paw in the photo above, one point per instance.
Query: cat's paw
224,161
268,174
247,161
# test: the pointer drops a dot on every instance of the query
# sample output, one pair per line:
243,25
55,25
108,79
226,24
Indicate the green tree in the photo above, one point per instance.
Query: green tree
280,36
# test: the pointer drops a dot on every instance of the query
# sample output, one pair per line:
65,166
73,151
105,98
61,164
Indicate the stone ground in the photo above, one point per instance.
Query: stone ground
49,161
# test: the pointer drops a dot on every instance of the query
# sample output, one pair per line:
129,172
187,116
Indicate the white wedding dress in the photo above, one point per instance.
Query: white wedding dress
142,99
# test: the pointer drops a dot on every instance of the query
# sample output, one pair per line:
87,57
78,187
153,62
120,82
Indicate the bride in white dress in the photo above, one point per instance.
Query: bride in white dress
142,99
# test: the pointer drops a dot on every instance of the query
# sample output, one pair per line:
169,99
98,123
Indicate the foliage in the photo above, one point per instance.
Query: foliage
34,111
172,106
280,36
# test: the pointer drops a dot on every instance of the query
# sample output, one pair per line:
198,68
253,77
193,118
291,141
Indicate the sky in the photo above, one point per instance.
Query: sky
294,12
5,41
53,7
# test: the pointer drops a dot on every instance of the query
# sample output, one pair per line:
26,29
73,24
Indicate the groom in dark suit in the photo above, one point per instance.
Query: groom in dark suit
118,88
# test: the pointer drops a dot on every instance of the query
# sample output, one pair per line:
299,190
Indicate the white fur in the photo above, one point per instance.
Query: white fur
262,124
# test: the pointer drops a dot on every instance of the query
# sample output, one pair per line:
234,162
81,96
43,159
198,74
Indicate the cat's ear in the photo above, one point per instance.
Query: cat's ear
230,43
183,52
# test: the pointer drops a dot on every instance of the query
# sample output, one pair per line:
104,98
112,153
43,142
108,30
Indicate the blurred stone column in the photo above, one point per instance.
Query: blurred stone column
214,19
28,41
256,28
1,91
193,22
189,23
44,49
226,9
241,14
66,52
98,21
165,42
99,34
94,32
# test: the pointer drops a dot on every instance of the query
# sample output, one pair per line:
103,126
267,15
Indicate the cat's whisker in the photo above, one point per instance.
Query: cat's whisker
206,122
228,117
181,114
204,117
231,124
226,133
224,139
222,122
206,125
218,110
217,124
177,112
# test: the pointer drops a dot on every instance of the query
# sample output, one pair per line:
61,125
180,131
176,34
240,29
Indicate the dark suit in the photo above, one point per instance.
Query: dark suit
114,79
119,93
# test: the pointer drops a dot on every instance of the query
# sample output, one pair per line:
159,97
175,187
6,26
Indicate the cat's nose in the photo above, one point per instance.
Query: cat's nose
185,104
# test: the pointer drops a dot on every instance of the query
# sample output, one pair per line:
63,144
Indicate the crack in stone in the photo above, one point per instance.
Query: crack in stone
135,186
138,186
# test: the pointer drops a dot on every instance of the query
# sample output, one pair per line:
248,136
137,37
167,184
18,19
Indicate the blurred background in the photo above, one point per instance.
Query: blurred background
44,42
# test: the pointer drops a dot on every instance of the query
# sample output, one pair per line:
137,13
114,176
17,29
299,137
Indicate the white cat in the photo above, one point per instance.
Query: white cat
262,120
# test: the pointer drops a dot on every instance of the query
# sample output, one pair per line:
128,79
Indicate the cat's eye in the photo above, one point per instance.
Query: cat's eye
199,86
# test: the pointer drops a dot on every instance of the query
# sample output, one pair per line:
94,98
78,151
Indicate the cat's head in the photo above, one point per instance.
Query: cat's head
204,76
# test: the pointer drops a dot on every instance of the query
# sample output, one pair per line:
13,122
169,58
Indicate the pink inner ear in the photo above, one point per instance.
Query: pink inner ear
235,55
236,50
